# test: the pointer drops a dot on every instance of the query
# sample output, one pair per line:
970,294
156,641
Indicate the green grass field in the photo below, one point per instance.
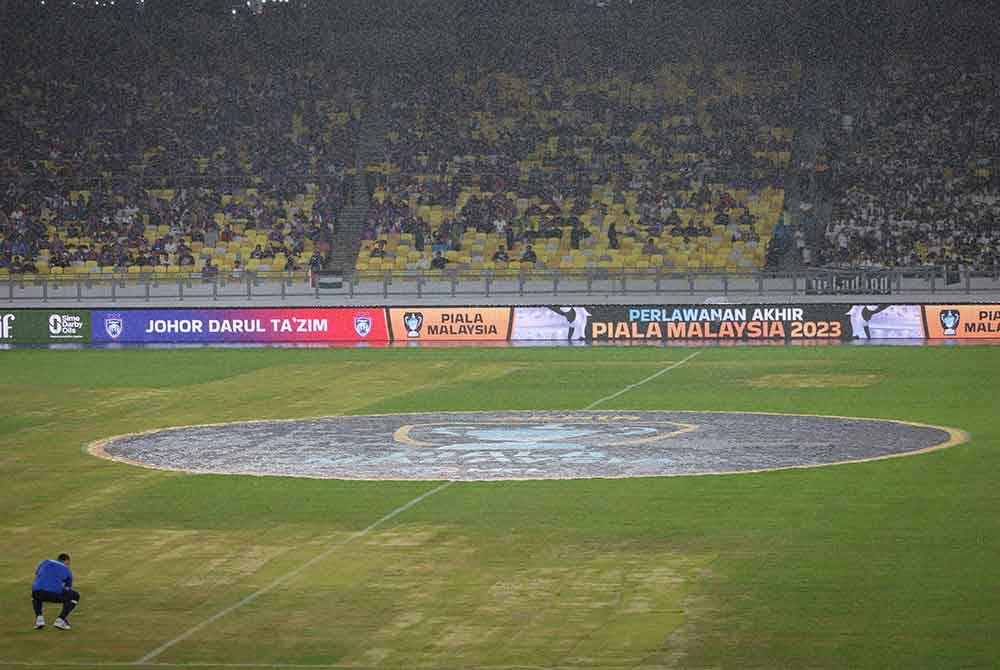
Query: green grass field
892,563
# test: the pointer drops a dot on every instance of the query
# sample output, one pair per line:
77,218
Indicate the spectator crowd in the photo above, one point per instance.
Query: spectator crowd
588,160
163,156
917,178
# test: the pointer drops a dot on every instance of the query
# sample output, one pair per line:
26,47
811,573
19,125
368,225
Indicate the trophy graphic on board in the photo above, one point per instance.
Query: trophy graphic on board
949,321
413,321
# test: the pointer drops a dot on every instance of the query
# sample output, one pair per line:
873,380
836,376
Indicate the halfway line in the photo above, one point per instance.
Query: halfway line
640,383
284,578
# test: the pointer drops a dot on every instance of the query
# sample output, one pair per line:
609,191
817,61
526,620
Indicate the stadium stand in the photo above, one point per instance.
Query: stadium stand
131,167
114,230
133,115
917,175
682,171
119,147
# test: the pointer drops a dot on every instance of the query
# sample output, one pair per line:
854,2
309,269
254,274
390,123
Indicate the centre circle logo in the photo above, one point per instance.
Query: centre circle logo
570,433
524,445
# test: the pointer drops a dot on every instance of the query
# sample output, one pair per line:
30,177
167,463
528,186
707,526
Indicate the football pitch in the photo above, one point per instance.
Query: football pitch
884,563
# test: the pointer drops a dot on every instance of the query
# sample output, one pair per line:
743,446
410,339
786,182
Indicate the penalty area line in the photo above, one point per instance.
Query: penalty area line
287,576
641,382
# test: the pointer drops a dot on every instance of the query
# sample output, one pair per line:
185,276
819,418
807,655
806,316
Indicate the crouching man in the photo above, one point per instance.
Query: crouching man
54,584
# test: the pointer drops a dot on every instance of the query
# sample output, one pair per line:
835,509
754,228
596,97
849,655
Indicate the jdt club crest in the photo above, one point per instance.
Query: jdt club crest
114,325
949,321
362,325
413,321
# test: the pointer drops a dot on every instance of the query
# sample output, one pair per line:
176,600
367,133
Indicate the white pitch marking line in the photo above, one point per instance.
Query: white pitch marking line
287,576
640,383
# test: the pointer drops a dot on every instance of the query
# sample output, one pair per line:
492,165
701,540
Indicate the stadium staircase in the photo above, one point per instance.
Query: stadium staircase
817,92
347,238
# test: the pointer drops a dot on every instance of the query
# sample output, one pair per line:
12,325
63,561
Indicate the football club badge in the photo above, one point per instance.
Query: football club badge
114,326
413,321
949,321
362,325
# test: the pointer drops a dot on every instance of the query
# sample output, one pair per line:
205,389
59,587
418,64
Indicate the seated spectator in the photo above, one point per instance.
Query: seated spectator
438,262
692,230
501,256
550,230
529,255
209,272
317,262
440,243
726,201
577,234
649,248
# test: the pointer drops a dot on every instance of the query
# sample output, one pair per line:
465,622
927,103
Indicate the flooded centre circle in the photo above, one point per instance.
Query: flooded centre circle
524,445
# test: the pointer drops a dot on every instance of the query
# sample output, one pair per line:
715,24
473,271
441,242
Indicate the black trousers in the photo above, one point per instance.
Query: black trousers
69,598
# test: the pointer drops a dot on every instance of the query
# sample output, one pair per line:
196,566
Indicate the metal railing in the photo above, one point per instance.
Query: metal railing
139,288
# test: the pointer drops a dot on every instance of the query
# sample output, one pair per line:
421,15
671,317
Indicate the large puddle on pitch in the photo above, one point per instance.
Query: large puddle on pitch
524,445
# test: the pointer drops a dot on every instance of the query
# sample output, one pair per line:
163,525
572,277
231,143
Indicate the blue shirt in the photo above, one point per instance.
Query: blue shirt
52,576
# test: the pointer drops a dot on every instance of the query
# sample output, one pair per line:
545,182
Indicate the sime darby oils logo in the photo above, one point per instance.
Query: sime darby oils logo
66,326
7,326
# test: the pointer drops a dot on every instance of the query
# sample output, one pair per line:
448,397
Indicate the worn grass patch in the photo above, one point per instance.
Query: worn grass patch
814,381
427,597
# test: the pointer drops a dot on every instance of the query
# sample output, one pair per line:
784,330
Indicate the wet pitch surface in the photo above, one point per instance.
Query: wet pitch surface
523,445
